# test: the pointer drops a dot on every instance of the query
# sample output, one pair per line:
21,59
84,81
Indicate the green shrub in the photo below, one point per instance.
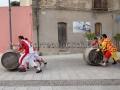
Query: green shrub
89,36
117,40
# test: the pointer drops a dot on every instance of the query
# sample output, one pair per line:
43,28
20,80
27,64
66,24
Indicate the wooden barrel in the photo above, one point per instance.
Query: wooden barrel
92,57
10,60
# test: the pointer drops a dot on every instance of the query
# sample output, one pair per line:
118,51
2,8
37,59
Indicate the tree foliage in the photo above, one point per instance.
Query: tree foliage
117,37
117,40
89,36
15,3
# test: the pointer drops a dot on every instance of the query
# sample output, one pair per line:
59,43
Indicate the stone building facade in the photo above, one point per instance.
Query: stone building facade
25,2
56,19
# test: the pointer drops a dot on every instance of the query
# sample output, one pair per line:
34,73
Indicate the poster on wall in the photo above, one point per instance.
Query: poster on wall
81,27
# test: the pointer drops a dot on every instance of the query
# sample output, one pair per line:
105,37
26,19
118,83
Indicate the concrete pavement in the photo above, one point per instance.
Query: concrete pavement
63,68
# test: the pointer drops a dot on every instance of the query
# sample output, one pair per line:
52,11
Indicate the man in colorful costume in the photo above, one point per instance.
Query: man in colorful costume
109,50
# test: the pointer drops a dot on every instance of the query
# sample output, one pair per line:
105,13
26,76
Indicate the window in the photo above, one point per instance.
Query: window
100,4
97,3
98,29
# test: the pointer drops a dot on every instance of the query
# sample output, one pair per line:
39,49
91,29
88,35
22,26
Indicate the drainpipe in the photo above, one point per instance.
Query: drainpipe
119,21
119,27
10,25
37,22
112,24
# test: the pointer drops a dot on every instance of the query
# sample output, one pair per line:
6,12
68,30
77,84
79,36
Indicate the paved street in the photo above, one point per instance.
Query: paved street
63,72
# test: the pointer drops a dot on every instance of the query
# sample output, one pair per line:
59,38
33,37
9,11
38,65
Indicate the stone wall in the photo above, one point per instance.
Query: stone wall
49,27
76,4
68,11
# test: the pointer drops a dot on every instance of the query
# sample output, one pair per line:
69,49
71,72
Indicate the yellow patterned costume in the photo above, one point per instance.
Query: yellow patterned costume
107,46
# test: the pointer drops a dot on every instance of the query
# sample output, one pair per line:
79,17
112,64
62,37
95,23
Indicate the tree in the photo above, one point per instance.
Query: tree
15,3
117,40
89,37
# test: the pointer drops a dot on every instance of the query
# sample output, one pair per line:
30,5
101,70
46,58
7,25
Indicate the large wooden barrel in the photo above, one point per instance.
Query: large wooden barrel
92,57
10,60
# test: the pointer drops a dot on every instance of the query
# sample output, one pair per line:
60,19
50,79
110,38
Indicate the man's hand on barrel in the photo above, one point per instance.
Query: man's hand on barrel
17,51
98,50
15,44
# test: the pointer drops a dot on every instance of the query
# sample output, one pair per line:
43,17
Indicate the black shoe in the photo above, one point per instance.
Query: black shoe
40,63
114,63
28,68
39,71
107,62
45,63
20,70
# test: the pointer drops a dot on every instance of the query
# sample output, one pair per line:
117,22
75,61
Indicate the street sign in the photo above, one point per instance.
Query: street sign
118,19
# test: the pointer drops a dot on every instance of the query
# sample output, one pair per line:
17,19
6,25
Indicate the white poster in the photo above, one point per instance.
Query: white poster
81,27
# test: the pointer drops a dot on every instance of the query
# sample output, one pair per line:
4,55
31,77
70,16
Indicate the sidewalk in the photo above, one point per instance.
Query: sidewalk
63,72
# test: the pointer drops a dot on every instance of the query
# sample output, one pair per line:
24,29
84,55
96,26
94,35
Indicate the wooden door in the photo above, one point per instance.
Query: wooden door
62,37
98,29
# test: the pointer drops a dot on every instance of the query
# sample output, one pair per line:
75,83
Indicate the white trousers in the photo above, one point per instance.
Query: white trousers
36,56
23,58
28,58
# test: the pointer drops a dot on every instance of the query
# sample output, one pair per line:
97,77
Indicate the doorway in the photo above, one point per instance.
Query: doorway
62,37
98,29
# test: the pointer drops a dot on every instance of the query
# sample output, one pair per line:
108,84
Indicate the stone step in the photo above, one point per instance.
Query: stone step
63,50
